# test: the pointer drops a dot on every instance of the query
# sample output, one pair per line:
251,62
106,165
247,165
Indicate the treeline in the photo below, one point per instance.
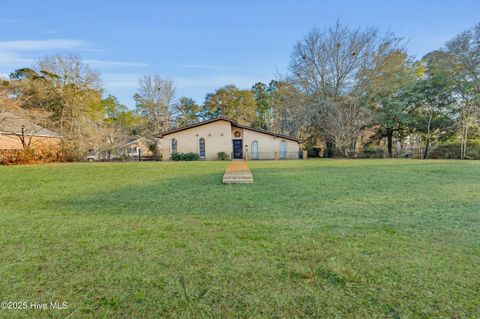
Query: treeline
350,88
345,89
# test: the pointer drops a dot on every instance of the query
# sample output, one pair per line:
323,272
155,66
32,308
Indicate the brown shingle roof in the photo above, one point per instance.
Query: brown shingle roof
233,122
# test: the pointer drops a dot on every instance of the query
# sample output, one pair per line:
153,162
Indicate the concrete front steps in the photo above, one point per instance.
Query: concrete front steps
238,172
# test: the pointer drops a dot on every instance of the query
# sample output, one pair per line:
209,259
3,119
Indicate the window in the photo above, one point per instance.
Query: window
255,150
283,150
201,147
174,146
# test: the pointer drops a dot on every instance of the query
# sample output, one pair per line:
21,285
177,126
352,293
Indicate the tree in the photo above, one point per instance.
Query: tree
231,102
263,108
328,65
75,100
435,100
114,130
154,101
119,115
389,81
186,112
69,90
464,52
34,90
287,108
76,89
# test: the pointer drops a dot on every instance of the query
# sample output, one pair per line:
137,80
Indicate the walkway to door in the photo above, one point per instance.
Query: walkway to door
238,172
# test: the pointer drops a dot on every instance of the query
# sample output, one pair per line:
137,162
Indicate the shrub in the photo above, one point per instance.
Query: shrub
185,156
42,153
452,151
17,157
223,156
191,156
176,157
371,152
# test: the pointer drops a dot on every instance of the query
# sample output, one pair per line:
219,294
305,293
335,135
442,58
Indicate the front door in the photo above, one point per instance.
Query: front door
237,149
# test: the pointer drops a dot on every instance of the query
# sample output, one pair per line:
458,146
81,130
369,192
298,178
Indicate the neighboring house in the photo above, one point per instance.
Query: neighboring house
222,134
133,149
14,128
138,146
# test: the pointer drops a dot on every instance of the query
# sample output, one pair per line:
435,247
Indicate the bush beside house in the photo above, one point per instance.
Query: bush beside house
185,156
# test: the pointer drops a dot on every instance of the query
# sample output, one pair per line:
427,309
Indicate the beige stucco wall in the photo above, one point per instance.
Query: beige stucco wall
218,138
217,135
268,145
8,142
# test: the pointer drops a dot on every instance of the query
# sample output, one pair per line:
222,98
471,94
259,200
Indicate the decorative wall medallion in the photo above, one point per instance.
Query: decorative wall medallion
237,134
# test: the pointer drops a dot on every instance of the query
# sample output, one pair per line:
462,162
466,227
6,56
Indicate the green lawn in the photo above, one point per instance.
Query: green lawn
316,238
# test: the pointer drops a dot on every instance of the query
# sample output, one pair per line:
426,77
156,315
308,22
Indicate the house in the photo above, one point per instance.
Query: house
139,146
135,149
222,134
14,129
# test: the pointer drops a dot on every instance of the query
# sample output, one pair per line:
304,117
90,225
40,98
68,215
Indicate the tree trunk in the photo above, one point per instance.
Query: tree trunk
463,140
390,142
427,144
425,153
330,149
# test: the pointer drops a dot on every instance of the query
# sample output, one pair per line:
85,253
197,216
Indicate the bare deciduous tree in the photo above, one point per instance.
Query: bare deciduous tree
328,65
343,122
77,86
154,101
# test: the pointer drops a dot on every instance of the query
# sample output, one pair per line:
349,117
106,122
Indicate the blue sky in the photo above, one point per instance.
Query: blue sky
203,45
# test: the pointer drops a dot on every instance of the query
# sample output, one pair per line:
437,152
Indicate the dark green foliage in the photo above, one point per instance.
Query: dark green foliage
223,156
185,156
264,105
372,152
452,151
187,112
232,102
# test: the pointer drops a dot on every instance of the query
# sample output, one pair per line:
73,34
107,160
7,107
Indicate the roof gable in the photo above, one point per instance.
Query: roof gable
138,139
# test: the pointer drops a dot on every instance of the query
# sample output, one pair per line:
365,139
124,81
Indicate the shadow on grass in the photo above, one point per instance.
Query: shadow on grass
329,198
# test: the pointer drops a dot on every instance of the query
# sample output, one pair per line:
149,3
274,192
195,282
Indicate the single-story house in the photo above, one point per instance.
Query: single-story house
12,127
138,146
135,148
222,134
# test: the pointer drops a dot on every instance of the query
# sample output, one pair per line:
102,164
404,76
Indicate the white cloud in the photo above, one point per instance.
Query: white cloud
40,45
121,80
216,81
23,53
105,63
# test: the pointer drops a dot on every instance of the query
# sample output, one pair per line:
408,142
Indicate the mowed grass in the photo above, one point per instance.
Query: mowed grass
316,238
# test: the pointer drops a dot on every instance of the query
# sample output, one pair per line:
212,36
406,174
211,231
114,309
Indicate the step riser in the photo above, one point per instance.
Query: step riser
239,182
